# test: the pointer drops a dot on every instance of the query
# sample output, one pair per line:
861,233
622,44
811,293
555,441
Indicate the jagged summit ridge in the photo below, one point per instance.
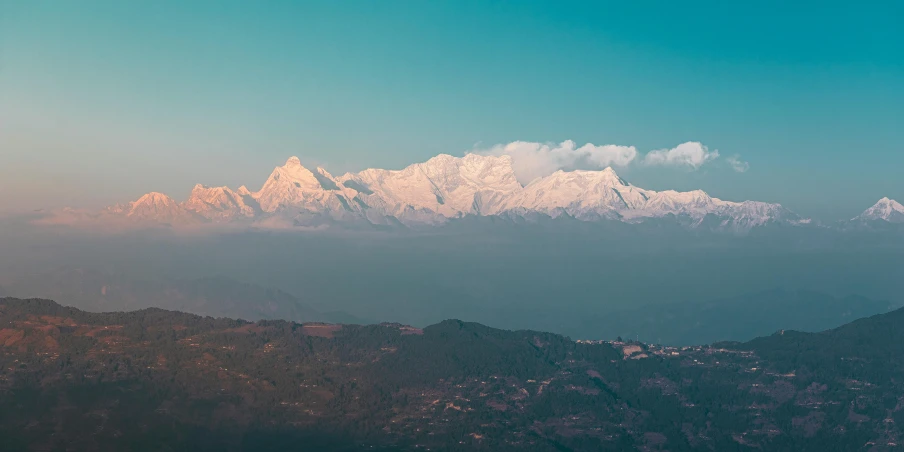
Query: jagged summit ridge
446,187
294,186
158,207
219,203
884,210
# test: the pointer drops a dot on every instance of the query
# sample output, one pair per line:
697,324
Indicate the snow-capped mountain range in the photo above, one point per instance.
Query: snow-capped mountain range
446,188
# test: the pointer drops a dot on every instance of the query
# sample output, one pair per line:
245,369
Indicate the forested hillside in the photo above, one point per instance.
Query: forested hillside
162,380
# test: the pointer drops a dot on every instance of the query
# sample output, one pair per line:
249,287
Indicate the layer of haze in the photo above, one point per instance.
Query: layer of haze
563,276
101,101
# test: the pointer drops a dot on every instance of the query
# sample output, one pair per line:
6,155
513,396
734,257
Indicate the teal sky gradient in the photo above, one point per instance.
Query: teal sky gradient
101,101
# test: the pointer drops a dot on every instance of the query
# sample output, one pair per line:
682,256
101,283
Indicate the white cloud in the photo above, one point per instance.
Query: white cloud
737,164
692,154
532,160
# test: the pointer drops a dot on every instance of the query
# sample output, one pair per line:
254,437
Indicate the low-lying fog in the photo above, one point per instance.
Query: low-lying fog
562,276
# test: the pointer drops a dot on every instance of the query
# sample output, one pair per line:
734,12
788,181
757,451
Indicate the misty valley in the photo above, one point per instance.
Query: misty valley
584,280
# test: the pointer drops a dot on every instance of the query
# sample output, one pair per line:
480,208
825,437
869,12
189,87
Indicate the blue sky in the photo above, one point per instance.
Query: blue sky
103,101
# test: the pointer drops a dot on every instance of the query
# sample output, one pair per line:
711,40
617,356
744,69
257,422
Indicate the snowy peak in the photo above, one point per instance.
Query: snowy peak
201,190
160,208
297,174
447,187
886,210
607,176
461,178
153,200
326,180
582,194
218,203
582,178
479,171
673,201
294,185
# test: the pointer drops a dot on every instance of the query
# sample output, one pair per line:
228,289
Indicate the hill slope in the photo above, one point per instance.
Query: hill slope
154,379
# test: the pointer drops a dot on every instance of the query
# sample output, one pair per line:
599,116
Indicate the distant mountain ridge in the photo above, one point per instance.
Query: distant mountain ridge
740,318
445,188
216,296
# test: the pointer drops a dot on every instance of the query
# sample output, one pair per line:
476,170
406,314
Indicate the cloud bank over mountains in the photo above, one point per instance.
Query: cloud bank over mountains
532,160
